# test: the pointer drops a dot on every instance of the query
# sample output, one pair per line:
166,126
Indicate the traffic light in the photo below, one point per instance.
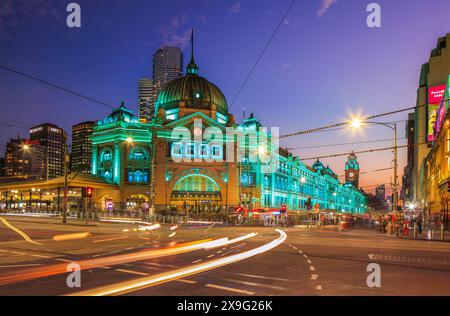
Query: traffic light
89,192
283,209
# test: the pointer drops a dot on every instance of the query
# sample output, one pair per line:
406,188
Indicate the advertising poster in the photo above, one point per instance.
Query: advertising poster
435,96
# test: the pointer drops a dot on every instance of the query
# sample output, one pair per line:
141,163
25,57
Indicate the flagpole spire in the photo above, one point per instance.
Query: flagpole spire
192,68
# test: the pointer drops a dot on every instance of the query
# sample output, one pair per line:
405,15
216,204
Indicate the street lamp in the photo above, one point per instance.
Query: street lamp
357,123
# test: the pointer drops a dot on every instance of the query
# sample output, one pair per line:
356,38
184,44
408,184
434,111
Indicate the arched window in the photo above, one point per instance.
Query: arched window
138,166
105,167
196,183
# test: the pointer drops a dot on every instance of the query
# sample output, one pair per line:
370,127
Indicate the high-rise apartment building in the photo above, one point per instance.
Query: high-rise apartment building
82,147
54,140
167,66
380,193
146,99
24,159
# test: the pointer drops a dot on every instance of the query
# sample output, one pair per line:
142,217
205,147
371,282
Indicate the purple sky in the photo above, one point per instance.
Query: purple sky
323,64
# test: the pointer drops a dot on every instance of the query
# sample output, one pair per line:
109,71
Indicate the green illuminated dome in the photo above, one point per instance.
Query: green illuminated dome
196,92
121,114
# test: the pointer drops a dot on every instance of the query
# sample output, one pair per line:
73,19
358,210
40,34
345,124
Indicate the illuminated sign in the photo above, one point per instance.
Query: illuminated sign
442,110
435,96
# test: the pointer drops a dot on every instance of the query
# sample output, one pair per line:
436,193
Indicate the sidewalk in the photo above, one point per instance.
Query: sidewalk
426,236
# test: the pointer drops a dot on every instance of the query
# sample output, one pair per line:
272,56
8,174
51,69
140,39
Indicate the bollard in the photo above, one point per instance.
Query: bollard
442,231
415,231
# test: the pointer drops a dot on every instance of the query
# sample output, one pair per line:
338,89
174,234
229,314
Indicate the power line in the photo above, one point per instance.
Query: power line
370,171
344,144
314,130
357,152
53,85
262,53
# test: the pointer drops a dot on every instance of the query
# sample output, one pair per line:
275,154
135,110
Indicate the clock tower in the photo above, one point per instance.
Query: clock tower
352,170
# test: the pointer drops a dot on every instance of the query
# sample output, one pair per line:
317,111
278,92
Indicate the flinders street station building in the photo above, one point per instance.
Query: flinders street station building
191,156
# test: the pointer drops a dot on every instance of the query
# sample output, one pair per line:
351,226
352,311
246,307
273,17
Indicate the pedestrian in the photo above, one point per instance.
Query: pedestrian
419,226
405,228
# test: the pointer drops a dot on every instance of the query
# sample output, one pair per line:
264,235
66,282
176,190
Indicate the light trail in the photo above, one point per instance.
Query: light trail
56,269
141,283
73,236
21,233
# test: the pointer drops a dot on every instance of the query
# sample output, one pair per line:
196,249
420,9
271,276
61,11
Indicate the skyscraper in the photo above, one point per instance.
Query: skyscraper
352,171
146,99
54,140
380,193
82,147
167,66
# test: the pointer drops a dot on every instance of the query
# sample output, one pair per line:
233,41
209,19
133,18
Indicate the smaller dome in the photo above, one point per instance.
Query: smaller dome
251,123
318,165
120,114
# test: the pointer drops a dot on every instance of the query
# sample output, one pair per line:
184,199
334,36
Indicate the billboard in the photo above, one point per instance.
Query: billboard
435,96
442,111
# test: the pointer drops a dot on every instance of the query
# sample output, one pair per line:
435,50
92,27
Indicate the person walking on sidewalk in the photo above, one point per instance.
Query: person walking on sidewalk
419,227
405,227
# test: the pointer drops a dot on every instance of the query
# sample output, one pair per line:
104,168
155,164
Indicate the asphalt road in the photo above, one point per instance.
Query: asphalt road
168,262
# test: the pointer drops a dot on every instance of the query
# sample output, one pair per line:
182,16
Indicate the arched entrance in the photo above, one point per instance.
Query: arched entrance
137,203
196,193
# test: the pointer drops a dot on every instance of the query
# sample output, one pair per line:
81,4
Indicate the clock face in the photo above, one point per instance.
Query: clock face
351,174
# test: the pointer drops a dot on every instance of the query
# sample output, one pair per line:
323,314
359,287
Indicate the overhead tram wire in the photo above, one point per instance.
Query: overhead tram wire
262,54
337,125
345,144
359,152
53,85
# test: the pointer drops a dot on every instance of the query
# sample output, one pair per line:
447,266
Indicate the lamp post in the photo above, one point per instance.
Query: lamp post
357,123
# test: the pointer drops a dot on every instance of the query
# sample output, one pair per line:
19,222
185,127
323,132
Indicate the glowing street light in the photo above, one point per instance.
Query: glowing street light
129,140
356,123
26,147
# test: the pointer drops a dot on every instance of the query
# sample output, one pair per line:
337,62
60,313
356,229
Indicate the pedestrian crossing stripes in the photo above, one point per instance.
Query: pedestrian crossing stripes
402,259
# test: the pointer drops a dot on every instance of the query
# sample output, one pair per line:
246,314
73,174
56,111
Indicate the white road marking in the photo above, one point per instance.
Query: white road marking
304,255
261,277
312,268
309,261
230,289
18,253
294,247
132,272
319,287
300,251
197,261
314,276
210,256
272,287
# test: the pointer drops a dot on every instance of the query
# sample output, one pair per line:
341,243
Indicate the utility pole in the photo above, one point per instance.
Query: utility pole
395,197
66,163
153,176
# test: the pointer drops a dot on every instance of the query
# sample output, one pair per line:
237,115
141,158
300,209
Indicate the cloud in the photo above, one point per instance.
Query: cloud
16,13
326,4
235,8
176,33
